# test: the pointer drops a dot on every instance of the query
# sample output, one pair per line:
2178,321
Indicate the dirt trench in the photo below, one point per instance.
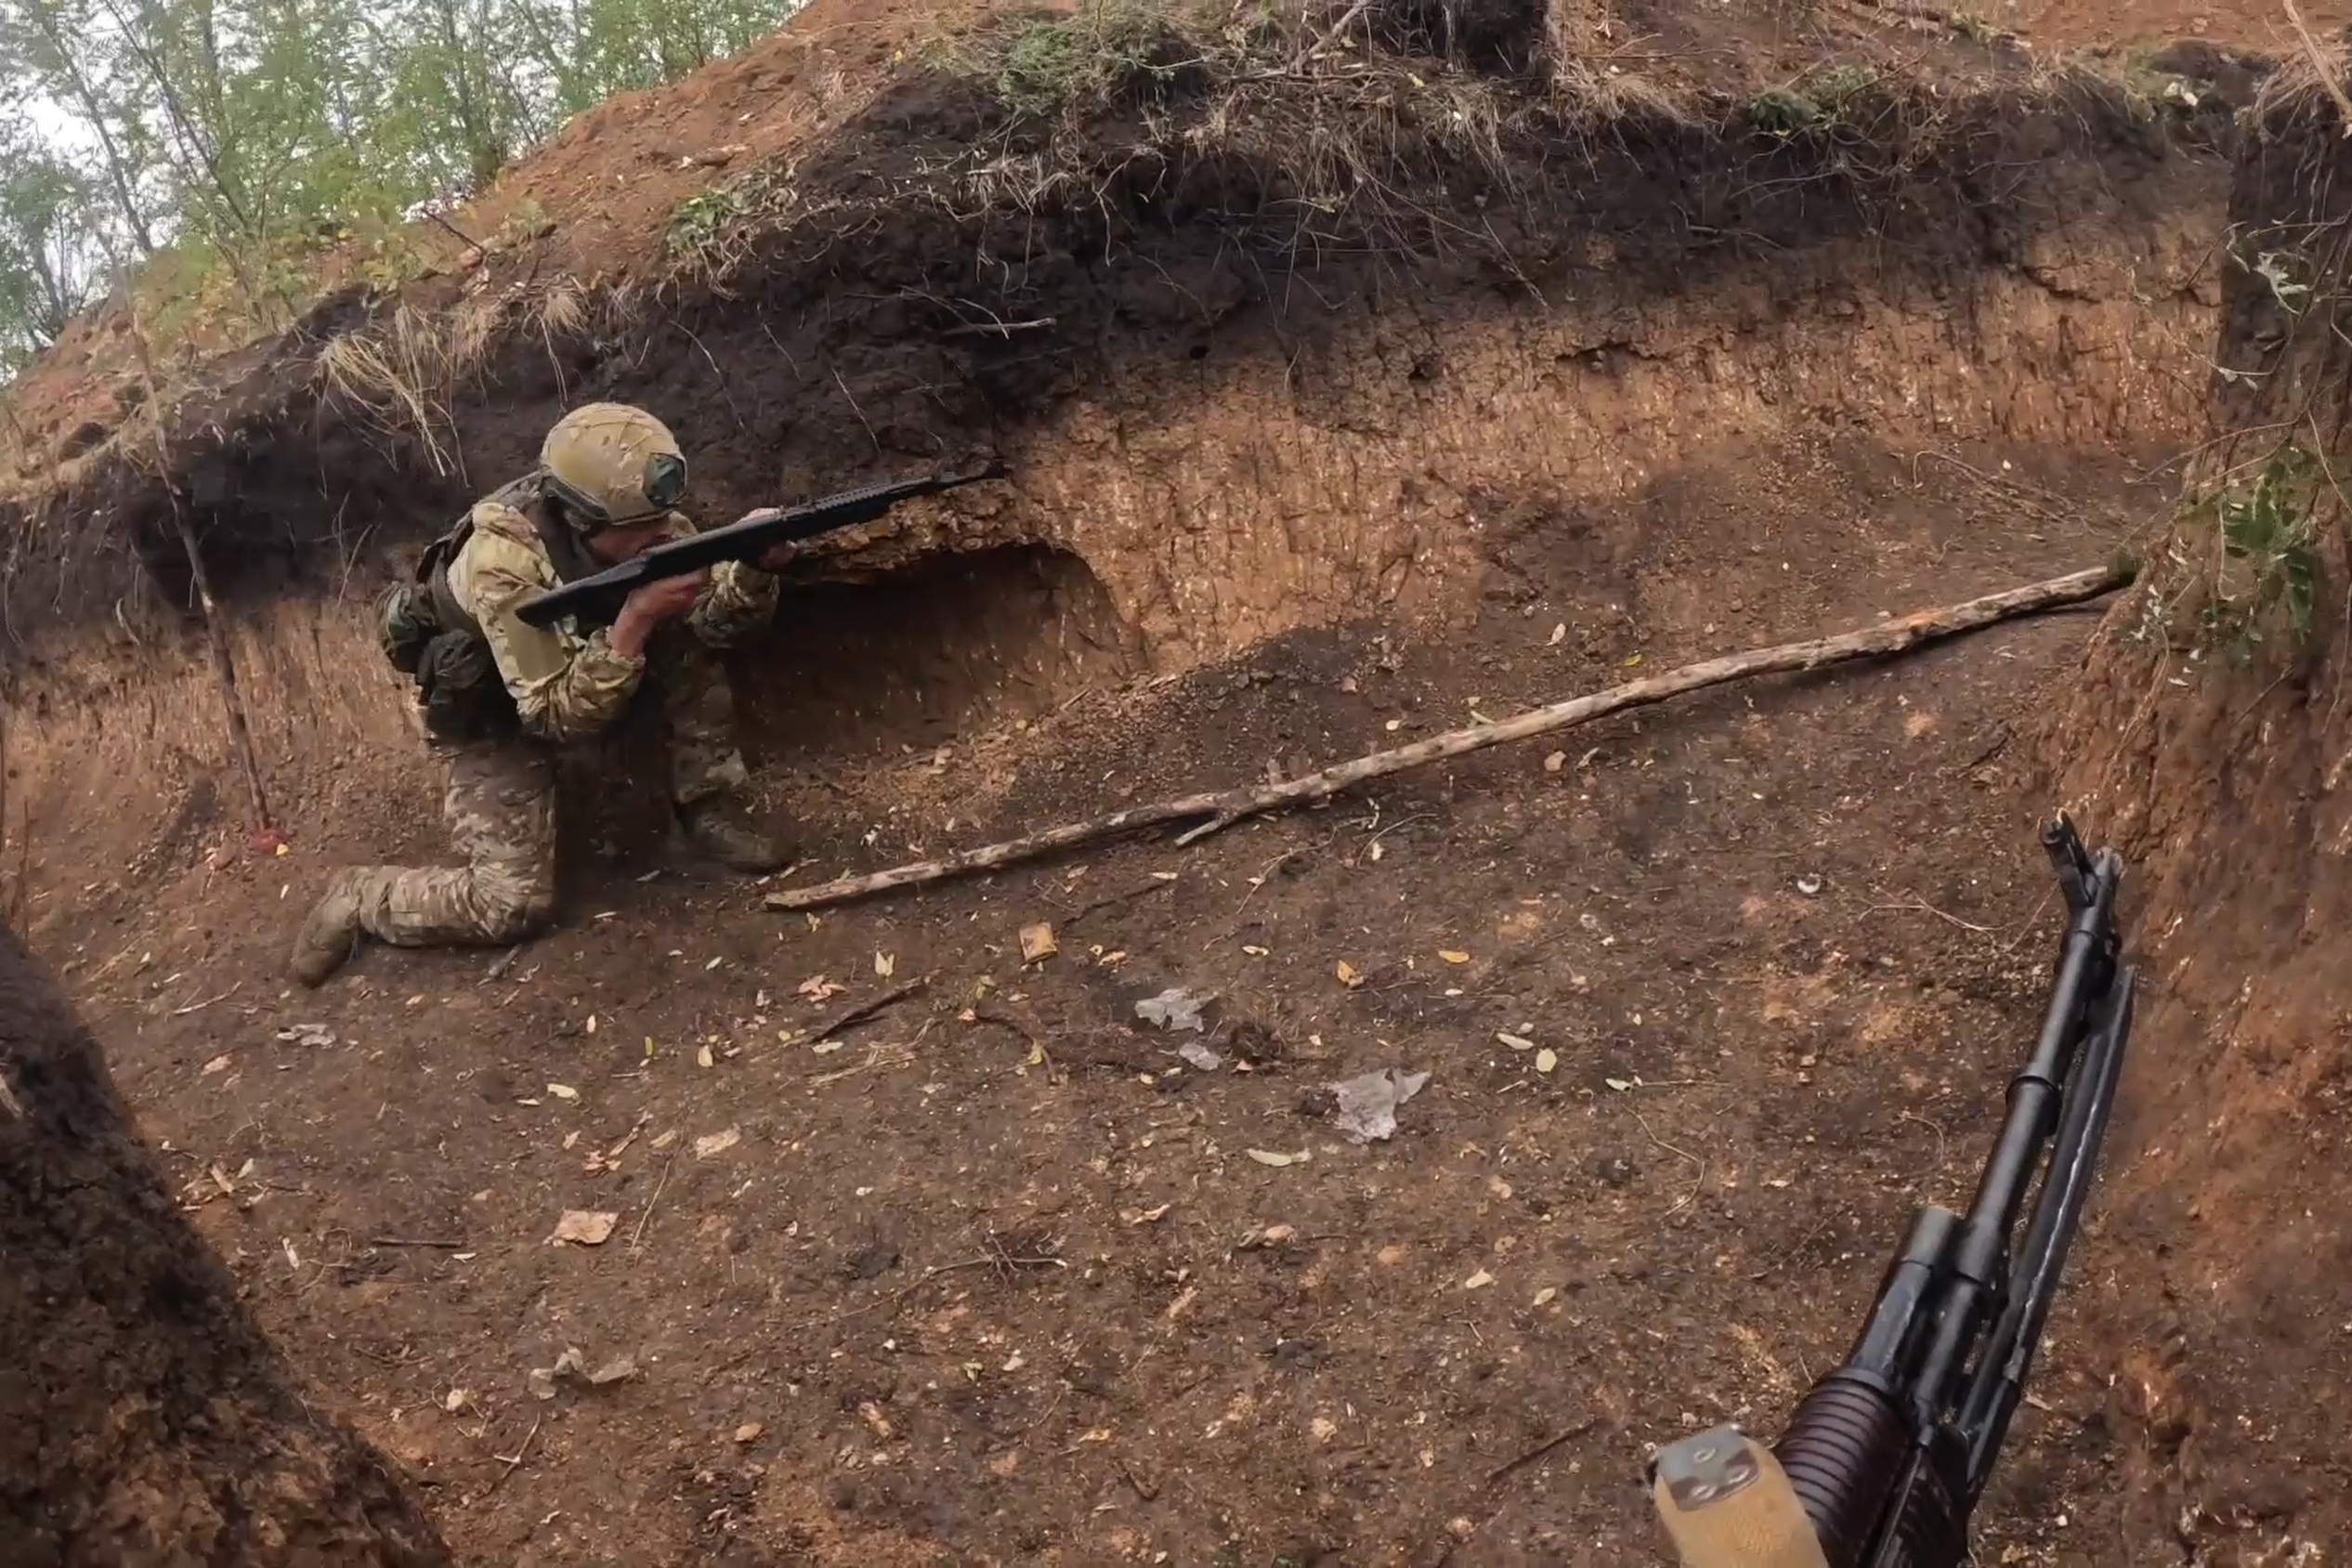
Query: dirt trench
1000,1279
2221,766
1216,438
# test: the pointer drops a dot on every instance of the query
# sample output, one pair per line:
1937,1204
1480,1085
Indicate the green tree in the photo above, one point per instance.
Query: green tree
65,51
53,256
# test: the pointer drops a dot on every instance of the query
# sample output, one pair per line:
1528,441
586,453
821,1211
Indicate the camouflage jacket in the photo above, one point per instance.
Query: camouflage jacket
565,684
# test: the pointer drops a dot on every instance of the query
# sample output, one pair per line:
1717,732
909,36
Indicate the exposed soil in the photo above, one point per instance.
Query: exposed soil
1005,1302
998,1274
147,1421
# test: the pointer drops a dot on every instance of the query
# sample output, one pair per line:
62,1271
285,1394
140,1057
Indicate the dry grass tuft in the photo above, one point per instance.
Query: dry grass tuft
402,375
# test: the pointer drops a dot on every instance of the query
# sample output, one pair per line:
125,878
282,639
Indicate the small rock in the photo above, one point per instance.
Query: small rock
1478,1280
1175,1008
585,1227
1199,1056
748,1432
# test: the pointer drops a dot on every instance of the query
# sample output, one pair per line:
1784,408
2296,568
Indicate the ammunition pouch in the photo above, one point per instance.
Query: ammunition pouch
459,688
427,636
405,624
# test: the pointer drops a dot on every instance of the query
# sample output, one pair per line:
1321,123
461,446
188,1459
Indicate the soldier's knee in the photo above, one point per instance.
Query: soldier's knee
511,913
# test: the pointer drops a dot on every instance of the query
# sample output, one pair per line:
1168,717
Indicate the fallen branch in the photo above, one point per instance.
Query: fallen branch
1217,809
866,1010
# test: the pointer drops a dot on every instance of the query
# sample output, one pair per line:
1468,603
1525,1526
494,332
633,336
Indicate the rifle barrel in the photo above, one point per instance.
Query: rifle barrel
2008,1354
604,591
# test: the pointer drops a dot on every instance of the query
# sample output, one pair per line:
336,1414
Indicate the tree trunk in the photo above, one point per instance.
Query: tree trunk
143,1419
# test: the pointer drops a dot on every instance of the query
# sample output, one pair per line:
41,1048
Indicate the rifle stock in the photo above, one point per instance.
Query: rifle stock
595,600
1888,1455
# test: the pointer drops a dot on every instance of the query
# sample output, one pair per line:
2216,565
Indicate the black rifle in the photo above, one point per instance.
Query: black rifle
1890,1454
596,600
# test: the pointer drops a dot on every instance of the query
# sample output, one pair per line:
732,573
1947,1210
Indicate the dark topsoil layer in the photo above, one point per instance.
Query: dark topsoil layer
841,347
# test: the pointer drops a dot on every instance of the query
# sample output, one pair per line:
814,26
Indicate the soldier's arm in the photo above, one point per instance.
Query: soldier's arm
566,687
738,604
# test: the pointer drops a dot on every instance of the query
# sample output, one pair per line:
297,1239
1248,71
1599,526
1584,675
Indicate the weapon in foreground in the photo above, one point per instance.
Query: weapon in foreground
1883,1464
596,600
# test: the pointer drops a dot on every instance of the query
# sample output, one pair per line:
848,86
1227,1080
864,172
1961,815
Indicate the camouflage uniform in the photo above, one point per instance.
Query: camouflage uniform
501,799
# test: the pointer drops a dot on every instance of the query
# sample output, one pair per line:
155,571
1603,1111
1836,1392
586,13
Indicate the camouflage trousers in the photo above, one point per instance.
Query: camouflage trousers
499,804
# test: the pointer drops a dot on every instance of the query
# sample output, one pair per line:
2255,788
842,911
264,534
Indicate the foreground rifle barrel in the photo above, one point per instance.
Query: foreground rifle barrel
1884,1462
596,600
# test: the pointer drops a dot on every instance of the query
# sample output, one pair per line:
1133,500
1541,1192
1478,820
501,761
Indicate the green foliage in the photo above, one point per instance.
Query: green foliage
2269,567
1049,67
51,263
704,221
1818,102
243,136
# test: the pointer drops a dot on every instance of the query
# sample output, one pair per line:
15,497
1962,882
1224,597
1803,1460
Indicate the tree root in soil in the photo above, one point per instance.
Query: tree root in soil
1212,811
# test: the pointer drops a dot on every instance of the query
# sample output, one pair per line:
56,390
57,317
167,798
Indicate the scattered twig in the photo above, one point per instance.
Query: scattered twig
855,410
1220,808
1154,885
240,737
996,328
462,237
898,1057
506,962
1695,1161
1537,1451
513,1462
2025,928
1384,833
1923,1121
639,1233
866,1010
1995,748
2319,65
1921,904
415,1241
200,1006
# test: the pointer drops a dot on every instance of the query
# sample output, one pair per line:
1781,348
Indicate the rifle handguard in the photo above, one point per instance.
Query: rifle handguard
1726,1503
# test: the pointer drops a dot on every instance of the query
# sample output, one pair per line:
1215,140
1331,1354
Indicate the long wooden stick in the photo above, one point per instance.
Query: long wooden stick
1215,809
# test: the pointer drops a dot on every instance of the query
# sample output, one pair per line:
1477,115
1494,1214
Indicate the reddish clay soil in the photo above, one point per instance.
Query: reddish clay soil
998,1274
991,1279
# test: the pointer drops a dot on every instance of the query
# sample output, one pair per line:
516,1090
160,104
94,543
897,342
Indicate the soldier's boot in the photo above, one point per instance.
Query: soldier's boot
325,942
720,827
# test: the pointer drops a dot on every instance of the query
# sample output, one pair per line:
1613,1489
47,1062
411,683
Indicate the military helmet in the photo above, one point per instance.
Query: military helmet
611,465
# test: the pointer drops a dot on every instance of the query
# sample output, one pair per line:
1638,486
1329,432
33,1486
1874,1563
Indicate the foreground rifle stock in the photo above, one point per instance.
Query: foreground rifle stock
596,600
1883,1464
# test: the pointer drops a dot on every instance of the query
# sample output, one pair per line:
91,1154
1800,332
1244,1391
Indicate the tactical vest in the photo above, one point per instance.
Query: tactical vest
428,635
